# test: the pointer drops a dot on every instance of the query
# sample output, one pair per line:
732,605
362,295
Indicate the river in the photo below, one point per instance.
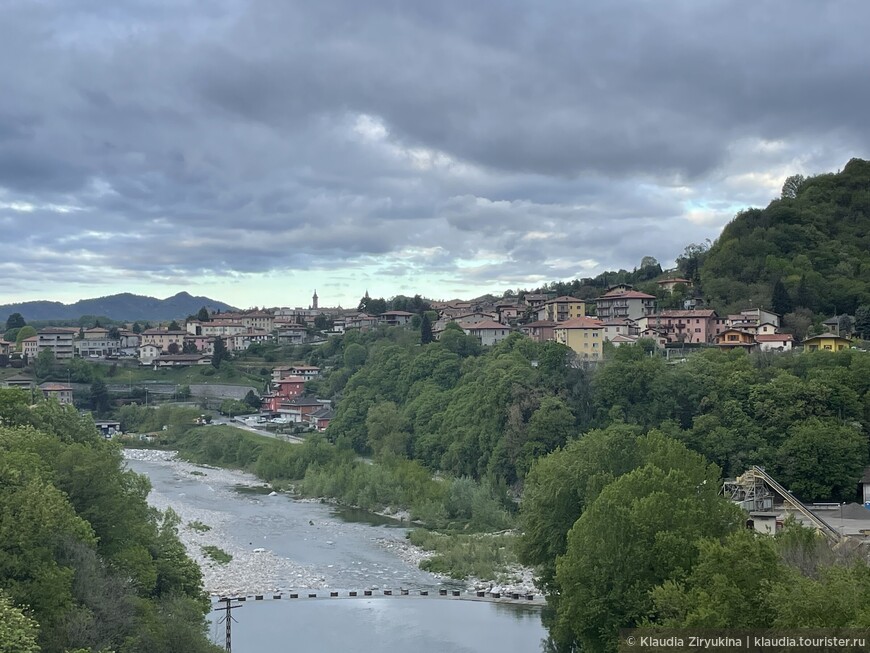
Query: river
281,545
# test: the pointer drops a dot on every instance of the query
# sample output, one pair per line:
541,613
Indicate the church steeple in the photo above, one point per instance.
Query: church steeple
314,300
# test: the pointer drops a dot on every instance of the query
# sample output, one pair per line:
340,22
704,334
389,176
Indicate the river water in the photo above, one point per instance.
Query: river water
281,545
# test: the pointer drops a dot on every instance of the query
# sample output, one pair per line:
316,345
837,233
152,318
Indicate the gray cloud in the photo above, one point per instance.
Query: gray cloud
541,140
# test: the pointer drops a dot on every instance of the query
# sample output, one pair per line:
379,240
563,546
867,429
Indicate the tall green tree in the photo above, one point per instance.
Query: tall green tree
44,363
203,315
219,353
100,397
15,321
780,301
425,330
17,630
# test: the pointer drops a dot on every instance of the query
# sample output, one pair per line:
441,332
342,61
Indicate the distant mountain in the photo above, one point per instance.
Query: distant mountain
125,306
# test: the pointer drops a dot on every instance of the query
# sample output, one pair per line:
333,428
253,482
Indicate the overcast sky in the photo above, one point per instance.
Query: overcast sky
253,150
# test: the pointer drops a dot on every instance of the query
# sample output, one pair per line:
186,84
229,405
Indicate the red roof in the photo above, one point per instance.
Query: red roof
291,379
774,337
540,323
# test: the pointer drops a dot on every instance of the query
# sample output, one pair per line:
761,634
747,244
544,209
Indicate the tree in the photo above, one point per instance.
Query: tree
114,333
862,321
252,400
322,322
24,333
137,328
792,186
425,330
189,347
99,397
15,321
44,363
387,433
804,297
173,348
203,315
822,459
17,630
639,532
780,301
355,356
173,326
219,352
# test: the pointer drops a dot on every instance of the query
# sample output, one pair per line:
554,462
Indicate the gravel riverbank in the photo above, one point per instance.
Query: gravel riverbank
257,570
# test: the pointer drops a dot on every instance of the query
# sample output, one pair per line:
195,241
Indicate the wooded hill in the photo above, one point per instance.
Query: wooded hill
815,239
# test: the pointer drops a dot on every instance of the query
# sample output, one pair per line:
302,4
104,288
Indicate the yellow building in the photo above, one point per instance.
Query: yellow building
583,335
827,342
561,309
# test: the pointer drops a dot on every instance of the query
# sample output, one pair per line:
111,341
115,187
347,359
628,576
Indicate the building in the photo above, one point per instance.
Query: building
96,345
620,328
508,311
299,409
58,340
561,309
583,335
698,326
164,338
147,353
30,347
540,331
537,300
774,341
62,392
668,285
20,381
361,321
827,342
283,390
621,304
321,418
306,372
108,428
180,360
488,332
736,339
396,318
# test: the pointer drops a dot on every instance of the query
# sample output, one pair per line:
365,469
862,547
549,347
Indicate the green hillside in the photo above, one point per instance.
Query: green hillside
815,239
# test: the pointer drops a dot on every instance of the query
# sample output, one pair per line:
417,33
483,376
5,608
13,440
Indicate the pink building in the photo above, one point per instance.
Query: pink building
539,331
697,326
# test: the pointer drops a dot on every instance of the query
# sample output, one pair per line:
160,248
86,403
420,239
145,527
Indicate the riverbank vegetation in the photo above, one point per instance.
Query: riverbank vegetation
85,563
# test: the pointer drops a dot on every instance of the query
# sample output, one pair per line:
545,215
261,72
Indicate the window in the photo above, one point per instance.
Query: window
697,329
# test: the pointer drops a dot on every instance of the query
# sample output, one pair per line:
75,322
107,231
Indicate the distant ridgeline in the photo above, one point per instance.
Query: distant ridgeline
124,306
815,240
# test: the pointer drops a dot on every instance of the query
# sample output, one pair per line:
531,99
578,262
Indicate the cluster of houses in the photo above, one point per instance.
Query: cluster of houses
287,403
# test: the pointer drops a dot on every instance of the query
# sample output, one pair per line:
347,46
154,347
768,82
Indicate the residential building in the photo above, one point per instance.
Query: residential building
19,381
698,326
298,409
474,317
620,339
93,347
283,390
361,321
96,333
147,353
752,317
561,309
539,331
62,392
669,284
396,318
321,418
508,311
736,339
629,304
615,328
30,347
6,347
536,300
774,341
826,342
584,335
489,332
58,340
164,338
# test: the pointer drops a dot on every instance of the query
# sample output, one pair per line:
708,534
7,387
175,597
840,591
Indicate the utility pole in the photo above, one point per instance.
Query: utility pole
228,619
